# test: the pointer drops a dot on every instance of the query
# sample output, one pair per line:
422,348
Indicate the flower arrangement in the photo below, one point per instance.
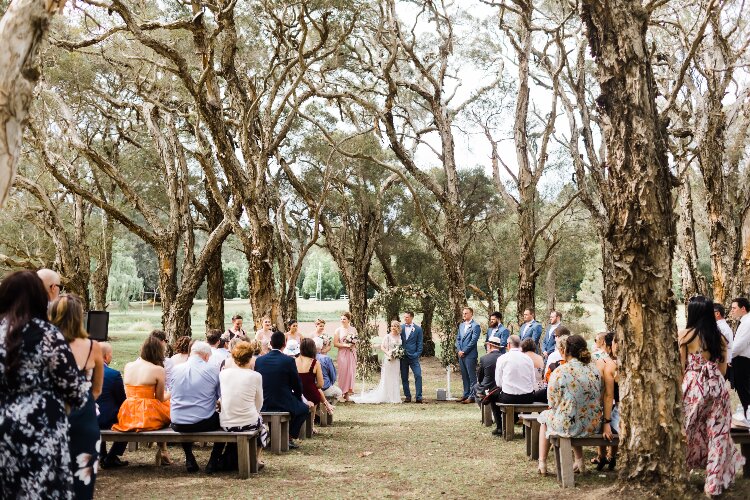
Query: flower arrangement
351,338
398,352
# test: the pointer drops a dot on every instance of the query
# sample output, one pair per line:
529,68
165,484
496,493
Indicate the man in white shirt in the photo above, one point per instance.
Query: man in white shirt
741,353
726,330
219,352
515,377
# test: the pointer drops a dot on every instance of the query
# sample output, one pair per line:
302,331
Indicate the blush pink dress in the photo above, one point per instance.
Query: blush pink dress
347,361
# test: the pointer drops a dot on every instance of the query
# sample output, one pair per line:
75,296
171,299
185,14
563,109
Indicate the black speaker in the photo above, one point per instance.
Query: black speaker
97,325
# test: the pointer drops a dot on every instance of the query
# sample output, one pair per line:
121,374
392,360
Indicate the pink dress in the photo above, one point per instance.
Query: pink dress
708,419
347,361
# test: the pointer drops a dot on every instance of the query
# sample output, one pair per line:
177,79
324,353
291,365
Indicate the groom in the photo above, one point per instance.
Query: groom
411,340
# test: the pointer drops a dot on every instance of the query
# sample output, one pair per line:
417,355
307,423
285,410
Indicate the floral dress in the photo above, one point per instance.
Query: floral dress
708,420
34,452
575,399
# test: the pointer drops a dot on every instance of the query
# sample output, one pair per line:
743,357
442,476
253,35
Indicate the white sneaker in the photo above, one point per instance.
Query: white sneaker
739,419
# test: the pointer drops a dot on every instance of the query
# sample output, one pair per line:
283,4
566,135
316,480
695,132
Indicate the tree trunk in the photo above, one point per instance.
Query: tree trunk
172,322
264,300
100,276
215,272
550,283
428,312
642,234
608,281
693,282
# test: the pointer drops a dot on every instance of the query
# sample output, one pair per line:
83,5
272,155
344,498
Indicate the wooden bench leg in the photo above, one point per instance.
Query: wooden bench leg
285,435
323,415
527,438
310,424
745,448
566,463
132,446
276,436
303,431
509,422
487,415
243,457
556,446
534,440
253,442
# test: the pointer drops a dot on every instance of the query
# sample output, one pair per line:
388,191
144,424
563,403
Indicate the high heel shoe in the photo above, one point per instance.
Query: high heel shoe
542,467
601,462
612,462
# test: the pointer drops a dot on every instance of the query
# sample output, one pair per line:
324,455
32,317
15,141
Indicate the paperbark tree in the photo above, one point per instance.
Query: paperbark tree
642,236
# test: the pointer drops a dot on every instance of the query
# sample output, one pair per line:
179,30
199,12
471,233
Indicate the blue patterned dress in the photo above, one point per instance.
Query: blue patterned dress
575,399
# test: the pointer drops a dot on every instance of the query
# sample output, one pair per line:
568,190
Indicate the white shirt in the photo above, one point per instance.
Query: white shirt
217,356
553,358
741,344
241,397
552,329
728,335
514,373
408,329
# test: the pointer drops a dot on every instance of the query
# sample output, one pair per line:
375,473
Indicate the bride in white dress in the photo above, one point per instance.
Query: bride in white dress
389,388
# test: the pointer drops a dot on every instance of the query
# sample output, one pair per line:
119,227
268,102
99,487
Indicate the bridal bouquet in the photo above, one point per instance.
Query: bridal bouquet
398,352
351,338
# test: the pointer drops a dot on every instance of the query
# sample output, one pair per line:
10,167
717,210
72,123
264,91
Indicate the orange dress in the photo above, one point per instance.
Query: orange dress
141,411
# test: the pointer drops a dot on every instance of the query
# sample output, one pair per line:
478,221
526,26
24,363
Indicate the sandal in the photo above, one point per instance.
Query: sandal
597,459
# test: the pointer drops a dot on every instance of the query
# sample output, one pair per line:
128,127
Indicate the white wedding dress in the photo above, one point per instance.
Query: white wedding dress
389,388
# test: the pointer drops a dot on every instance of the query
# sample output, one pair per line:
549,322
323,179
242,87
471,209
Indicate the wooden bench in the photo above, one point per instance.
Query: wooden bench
307,427
510,409
247,447
531,433
278,428
564,454
326,418
487,418
742,437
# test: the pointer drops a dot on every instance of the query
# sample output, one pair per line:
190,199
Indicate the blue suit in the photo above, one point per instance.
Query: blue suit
282,388
413,349
499,331
111,398
531,330
466,341
548,341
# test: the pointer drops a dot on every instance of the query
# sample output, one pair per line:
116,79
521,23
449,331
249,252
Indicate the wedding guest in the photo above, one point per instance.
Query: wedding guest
219,351
466,349
486,372
705,398
38,373
66,313
496,329
331,391
607,366
293,332
241,401
109,402
741,358
347,355
559,357
181,349
311,374
540,386
264,335
282,388
575,395
167,361
194,396
235,330
229,362
548,344
147,405
320,326
514,375
599,350
530,328
51,281
726,331
560,333
412,342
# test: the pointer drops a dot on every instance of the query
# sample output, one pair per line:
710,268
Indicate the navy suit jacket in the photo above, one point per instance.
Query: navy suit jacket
282,387
548,344
412,345
112,396
467,338
531,331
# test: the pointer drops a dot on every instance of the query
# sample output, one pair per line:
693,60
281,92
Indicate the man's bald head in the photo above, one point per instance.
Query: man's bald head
51,282
106,348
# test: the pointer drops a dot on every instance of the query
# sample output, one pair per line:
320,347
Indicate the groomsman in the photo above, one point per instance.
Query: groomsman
496,329
531,328
466,348
548,343
411,339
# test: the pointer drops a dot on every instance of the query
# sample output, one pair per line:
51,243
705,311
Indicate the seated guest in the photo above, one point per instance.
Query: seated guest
109,402
514,375
147,405
311,374
181,350
486,371
241,400
607,366
229,362
561,332
282,388
528,347
168,363
574,393
599,350
331,391
194,397
219,351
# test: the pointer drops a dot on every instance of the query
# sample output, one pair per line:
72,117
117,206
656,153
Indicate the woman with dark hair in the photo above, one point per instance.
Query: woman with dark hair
574,394
147,405
181,350
607,364
38,378
292,331
311,374
66,312
705,398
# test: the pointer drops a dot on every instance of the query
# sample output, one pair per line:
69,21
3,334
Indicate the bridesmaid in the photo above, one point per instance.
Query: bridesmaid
347,356
264,335
292,332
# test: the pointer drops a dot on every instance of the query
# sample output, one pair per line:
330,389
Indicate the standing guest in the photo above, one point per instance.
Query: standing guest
168,363
293,332
705,398
235,330
194,397
607,366
560,333
51,281
575,399
496,329
241,401
282,388
331,391
412,339
599,350
264,335
540,387
181,350
741,359
466,348
311,374
514,375
548,344
66,313
530,328
320,326
109,402
219,351
147,405
38,373
726,331
347,356
486,372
